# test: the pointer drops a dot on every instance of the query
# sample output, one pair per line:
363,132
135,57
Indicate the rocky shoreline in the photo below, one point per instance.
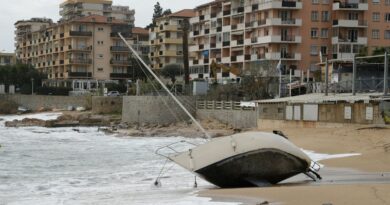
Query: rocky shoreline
111,124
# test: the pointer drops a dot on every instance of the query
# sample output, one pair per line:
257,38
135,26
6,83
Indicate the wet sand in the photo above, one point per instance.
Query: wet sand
363,179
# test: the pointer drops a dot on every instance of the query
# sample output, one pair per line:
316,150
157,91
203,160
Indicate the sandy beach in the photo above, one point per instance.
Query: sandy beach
363,179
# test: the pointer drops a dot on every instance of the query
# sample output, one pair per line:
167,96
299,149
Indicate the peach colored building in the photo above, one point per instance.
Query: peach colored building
84,49
252,36
71,9
166,39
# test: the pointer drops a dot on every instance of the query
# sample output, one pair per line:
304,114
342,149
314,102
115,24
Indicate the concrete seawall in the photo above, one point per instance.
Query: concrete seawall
156,110
238,119
36,102
107,105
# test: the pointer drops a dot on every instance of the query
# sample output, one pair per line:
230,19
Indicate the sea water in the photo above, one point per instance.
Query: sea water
84,166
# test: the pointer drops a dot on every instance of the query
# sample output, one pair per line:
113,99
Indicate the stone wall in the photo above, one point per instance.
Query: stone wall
107,105
36,102
155,109
238,119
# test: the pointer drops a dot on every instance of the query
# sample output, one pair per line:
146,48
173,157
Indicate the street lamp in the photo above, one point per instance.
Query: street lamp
32,86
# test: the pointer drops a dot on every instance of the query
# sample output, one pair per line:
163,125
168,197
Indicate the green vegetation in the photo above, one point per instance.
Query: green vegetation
21,76
172,71
158,12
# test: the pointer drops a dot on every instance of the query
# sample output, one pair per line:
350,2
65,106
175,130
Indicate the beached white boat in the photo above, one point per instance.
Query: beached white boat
241,160
244,160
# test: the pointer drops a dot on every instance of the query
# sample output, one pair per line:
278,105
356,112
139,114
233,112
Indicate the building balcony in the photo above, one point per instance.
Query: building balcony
172,41
343,56
120,75
283,56
283,22
169,53
278,4
359,40
116,35
350,23
194,20
78,75
239,58
362,6
193,48
119,62
80,33
251,8
80,61
225,60
119,49
79,48
240,26
276,39
226,28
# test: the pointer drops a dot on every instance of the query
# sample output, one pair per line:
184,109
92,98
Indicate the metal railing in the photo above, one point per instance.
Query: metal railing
220,105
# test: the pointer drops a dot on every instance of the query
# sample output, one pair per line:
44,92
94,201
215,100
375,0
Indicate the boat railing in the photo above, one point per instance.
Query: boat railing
171,149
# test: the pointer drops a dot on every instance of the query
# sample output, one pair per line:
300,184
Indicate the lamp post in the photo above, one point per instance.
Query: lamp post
32,86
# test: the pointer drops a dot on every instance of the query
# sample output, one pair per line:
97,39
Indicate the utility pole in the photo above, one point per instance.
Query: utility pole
386,75
290,87
354,76
326,77
32,86
186,27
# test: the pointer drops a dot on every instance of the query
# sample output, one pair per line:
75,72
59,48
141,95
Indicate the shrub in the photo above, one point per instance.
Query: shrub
62,91
7,107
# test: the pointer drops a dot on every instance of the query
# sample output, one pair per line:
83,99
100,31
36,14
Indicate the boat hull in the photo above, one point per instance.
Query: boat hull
256,168
245,160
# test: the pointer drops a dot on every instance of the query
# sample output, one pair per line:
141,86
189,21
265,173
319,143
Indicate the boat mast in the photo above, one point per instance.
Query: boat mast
165,87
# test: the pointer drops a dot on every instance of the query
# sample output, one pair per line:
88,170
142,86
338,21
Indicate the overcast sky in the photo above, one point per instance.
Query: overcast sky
25,9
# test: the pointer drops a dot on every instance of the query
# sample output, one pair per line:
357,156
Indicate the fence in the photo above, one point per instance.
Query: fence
361,85
221,105
227,112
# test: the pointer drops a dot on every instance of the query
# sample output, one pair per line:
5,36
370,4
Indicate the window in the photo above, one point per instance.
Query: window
324,50
375,16
375,1
100,29
100,42
353,16
325,16
324,33
325,1
314,50
100,56
387,34
315,1
375,34
100,69
314,33
387,17
314,16
387,2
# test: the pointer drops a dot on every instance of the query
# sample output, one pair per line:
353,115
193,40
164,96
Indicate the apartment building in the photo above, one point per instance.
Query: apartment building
7,59
166,39
83,50
252,36
24,29
140,41
71,9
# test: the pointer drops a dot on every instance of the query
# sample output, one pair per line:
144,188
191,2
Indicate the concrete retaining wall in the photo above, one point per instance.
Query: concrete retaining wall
36,102
236,118
152,109
107,105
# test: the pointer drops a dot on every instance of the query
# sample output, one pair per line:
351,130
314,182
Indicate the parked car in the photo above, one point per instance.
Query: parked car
113,93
